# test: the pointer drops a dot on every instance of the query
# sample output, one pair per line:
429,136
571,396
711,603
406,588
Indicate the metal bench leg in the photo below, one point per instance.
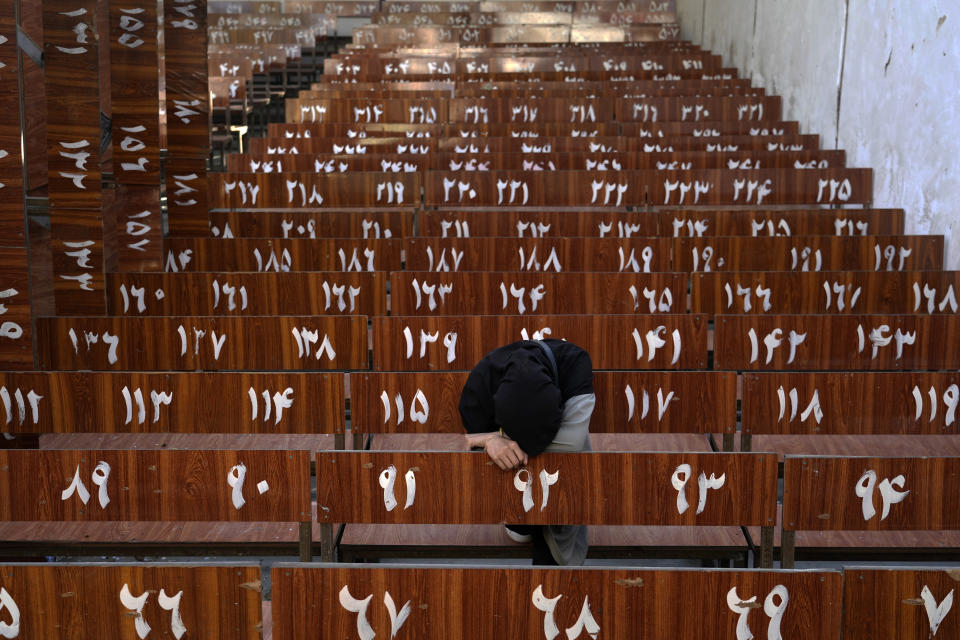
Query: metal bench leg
787,541
306,542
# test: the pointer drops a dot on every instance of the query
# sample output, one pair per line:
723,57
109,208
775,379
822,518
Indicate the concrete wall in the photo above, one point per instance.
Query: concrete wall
879,78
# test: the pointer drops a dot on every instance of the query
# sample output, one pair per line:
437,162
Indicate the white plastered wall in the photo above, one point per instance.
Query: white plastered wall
879,78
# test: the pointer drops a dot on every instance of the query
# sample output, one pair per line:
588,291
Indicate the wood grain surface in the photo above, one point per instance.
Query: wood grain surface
155,486
77,602
249,294
288,343
821,494
517,189
780,222
634,254
195,403
851,403
77,248
135,93
589,488
138,225
187,195
491,293
833,342
71,76
416,111
302,224
326,163
817,253
536,224
12,219
479,603
411,343
273,191
280,255
766,292
16,328
187,101
892,604
407,402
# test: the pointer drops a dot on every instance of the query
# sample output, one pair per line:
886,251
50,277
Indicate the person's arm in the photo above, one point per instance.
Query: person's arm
506,453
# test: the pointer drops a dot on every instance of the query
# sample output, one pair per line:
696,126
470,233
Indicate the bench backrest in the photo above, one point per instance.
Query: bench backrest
128,600
837,342
555,488
222,402
586,602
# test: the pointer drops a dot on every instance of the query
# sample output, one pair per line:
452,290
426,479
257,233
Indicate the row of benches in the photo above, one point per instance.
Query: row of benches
608,490
346,601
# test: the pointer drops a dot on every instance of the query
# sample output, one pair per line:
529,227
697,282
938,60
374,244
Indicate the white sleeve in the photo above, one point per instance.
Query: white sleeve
574,424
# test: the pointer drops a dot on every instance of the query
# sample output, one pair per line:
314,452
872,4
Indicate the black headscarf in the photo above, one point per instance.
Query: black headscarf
513,388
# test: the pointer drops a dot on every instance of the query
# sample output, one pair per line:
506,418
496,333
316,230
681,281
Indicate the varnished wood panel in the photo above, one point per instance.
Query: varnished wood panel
623,144
16,333
203,343
664,402
137,218
851,403
135,93
408,402
627,160
326,164
187,196
12,219
77,248
833,342
590,488
419,111
821,494
495,109
171,403
613,342
303,224
530,129
698,109
343,130
636,254
708,129
809,222
536,224
300,254
780,292
892,604
187,101
627,402
399,144
71,75
273,191
81,602
810,253
249,294
491,293
478,602
766,186
516,189
155,485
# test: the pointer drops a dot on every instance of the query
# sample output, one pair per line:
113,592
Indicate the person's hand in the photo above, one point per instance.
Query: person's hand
479,439
506,453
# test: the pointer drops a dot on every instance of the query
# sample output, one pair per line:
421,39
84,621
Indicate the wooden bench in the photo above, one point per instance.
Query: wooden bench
535,224
304,224
889,604
635,411
783,292
118,600
247,294
326,163
289,343
781,222
827,499
491,293
162,497
863,414
657,342
274,191
606,490
531,602
637,255
836,342
281,254
16,329
809,253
